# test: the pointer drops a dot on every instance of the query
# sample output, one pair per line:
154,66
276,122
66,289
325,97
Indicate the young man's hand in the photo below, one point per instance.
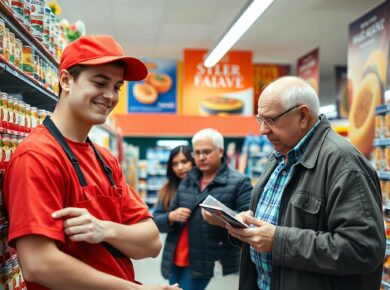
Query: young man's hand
80,225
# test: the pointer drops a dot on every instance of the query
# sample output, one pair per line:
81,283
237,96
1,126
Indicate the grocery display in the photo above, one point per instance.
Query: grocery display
28,86
382,164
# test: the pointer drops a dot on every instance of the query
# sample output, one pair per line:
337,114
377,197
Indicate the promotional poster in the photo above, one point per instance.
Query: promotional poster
157,92
308,68
341,91
224,89
263,74
368,49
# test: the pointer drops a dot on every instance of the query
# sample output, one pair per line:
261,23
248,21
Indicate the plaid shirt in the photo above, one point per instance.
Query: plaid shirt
269,204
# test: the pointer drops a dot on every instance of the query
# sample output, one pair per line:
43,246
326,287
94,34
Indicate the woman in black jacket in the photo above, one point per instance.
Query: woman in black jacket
179,164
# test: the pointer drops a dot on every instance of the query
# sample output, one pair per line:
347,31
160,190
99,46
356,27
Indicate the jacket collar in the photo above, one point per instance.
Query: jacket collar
309,157
312,150
221,176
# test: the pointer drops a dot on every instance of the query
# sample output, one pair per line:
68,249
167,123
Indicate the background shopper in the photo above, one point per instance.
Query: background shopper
194,248
73,219
317,208
180,162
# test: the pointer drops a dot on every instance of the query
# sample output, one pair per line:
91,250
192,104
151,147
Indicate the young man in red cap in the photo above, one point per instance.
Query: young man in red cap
73,219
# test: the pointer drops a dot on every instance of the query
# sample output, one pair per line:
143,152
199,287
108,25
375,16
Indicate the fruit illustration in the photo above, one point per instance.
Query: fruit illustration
144,93
362,113
162,82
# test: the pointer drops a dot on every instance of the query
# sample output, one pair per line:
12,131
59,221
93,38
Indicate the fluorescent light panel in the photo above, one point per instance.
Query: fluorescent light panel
247,18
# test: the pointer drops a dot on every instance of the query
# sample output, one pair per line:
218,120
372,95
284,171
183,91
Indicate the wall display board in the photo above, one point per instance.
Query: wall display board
308,68
225,89
368,49
157,92
342,91
263,74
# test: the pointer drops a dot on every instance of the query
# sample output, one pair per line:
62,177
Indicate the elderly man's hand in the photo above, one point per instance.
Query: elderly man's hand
212,220
260,237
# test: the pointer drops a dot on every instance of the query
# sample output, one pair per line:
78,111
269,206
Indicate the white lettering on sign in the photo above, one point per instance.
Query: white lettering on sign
220,76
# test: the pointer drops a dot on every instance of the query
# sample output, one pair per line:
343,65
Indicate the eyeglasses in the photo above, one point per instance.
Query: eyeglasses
270,121
205,153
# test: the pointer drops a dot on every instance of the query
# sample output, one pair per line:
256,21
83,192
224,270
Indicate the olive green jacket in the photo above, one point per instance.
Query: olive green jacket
330,232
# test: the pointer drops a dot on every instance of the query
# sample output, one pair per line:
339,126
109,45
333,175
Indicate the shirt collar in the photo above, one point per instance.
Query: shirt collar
296,153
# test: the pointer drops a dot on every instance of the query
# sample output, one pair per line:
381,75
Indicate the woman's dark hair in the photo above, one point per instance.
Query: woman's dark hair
169,189
77,69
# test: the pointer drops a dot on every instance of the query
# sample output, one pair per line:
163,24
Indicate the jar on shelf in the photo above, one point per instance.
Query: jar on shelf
34,117
27,59
27,15
41,116
2,36
37,14
6,44
379,157
11,47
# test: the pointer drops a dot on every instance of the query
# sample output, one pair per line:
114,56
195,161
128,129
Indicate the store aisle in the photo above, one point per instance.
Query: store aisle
148,271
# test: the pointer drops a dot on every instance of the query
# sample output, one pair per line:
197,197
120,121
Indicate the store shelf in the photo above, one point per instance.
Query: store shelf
160,125
386,284
20,32
381,142
384,175
13,80
382,109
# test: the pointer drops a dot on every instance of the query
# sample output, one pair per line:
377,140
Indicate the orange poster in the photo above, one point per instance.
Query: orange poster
225,89
308,68
263,74
368,48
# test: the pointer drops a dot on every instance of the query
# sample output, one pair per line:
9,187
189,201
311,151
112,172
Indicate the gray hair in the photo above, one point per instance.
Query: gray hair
299,93
211,134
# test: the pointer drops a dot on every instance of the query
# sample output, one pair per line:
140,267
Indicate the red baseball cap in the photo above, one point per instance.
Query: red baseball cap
101,49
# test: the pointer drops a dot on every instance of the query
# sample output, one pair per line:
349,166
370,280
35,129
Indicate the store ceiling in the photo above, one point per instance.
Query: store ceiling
163,28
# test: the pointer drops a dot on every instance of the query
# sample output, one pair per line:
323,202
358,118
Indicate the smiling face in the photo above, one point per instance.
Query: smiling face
93,94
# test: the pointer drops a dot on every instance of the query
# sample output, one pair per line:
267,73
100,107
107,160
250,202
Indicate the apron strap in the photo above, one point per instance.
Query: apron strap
48,123
106,168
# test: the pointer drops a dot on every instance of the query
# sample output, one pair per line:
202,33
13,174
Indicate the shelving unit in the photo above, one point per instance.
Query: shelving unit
16,82
12,79
381,145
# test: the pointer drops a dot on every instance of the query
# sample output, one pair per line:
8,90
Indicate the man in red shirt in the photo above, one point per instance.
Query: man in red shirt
73,220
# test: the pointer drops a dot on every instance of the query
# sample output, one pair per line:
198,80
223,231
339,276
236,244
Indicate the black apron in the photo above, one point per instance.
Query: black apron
48,123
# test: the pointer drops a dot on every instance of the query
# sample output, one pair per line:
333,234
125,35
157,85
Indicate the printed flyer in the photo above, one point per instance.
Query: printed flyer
225,89
368,49
157,92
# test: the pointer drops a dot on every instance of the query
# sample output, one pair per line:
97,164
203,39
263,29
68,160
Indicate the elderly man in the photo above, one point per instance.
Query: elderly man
315,214
196,249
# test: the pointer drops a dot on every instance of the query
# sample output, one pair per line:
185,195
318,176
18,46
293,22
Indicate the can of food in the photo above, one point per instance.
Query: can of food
4,109
34,117
11,46
37,14
36,67
41,116
27,14
387,125
52,32
27,59
5,43
46,26
379,126
17,7
379,157
7,148
28,116
2,36
18,53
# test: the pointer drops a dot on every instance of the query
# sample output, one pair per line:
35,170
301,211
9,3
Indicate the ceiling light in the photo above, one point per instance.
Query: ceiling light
243,22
